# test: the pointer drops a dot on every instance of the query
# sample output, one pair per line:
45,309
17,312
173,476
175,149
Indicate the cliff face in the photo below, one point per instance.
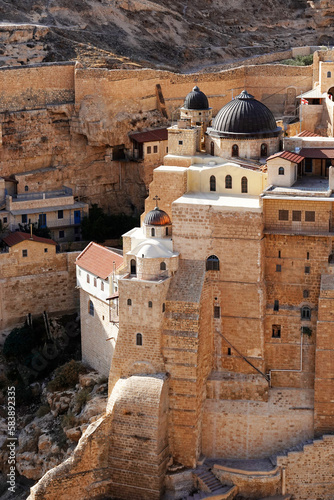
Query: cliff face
180,34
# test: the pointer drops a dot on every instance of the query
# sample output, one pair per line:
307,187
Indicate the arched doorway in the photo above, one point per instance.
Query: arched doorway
133,267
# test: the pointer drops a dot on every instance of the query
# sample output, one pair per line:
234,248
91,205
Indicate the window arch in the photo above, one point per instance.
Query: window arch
129,302
305,313
235,150
212,148
264,149
91,308
152,231
26,188
150,305
212,183
329,74
244,185
281,171
162,266
133,267
212,263
228,182
139,339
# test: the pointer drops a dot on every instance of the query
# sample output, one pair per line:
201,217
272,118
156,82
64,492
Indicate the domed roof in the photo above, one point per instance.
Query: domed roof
157,217
152,249
244,115
196,100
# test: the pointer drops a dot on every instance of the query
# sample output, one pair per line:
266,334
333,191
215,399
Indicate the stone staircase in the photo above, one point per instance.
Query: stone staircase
210,486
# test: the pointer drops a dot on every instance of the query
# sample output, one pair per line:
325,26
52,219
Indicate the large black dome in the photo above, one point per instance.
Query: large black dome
196,100
244,115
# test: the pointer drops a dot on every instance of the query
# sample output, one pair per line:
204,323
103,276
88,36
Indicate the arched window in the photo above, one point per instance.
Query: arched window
166,231
133,268
26,188
212,148
91,308
281,171
152,231
244,187
228,182
139,339
305,313
129,302
162,266
329,74
212,183
163,307
235,150
212,263
150,304
264,150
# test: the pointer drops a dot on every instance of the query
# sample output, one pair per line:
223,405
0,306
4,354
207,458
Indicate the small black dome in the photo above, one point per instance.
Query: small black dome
196,100
157,217
244,115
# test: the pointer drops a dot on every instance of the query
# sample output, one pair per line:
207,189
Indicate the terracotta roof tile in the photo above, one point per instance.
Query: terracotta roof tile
307,133
18,236
99,260
287,155
159,134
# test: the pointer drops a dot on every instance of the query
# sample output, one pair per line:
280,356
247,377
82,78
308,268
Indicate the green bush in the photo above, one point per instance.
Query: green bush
99,226
82,397
66,376
68,420
299,61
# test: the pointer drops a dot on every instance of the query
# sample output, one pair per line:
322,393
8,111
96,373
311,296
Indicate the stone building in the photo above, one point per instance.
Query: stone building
224,351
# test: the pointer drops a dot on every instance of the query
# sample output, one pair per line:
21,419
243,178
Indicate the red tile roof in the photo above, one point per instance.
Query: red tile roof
159,134
317,152
15,238
287,155
99,260
307,133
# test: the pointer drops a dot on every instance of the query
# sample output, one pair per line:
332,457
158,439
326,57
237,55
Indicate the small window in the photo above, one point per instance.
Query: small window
216,312
212,148
129,302
61,234
91,308
155,149
133,266
79,272
329,74
166,150
305,313
281,171
24,253
139,339
308,255
279,254
88,278
309,216
296,215
212,183
235,150
163,307
95,282
180,143
305,294
150,304
212,263
264,150
45,250
307,269
60,214
4,220
276,305
283,215
166,231
24,218
152,231
244,183
163,266
26,188
228,182
148,150
102,286
229,351
278,268
276,332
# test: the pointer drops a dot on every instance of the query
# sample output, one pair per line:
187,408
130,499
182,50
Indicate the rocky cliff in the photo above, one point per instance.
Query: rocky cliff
178,34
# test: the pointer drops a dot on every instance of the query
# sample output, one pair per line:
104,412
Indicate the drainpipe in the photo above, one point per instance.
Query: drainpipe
301,361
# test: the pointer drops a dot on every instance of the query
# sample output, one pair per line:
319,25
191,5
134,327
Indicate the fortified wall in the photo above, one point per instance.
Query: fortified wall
62,124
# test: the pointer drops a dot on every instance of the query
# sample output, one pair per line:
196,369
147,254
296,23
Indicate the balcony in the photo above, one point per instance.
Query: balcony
140,276
64,192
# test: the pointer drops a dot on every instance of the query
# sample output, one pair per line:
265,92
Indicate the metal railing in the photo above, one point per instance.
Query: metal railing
65,191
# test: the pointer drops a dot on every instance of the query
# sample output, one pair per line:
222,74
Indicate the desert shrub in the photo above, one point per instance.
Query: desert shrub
66,376
299,61
82,397
42,411
68,420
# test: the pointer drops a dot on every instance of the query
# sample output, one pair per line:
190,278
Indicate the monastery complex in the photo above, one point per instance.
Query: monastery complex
215,325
